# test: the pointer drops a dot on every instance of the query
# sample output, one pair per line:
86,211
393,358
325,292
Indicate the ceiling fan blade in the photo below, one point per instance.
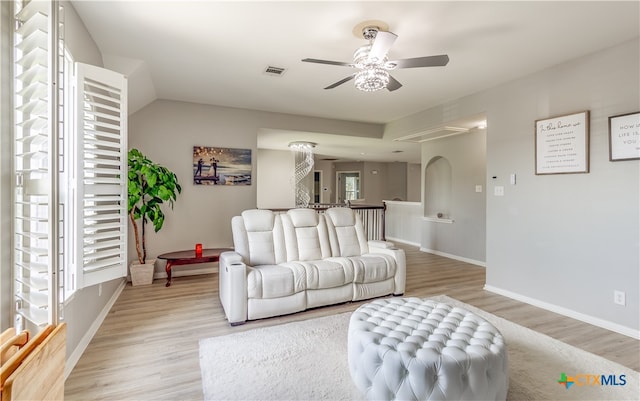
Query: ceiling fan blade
315,60
340,82
429,61
381,45
393,84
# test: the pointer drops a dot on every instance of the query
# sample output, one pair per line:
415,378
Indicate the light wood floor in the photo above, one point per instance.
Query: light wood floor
147,347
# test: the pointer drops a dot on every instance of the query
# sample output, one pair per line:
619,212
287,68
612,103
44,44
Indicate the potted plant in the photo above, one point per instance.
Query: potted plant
150,185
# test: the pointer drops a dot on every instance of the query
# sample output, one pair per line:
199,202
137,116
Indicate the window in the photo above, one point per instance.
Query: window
348,186
70,164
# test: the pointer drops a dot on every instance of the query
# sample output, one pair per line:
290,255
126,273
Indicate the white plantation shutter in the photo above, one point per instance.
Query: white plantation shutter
100,176
70,163
37,267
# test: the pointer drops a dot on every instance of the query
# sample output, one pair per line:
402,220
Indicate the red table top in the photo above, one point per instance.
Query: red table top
191,255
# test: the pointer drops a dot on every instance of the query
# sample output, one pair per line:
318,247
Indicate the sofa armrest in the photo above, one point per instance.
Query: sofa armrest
233,287
381,244
398,254
229,258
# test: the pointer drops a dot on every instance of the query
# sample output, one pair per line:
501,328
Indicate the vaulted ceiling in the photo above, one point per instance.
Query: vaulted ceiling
216,52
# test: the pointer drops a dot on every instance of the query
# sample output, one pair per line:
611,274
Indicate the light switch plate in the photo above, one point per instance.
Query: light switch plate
498,190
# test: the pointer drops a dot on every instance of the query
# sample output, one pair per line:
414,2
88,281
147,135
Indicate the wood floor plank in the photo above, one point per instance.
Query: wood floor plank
147,347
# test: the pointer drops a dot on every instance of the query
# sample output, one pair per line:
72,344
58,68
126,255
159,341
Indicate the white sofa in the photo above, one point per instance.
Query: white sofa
288,262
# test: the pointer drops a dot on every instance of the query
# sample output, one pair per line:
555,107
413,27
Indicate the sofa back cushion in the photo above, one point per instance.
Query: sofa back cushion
305,235
346,232
258,237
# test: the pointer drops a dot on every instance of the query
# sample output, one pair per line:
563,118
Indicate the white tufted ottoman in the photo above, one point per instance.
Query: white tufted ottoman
418,349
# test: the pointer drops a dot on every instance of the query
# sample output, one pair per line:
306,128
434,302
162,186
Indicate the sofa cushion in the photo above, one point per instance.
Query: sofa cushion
304,217
372,268
274,281
305,235
258,220
346,232
258,237
322,274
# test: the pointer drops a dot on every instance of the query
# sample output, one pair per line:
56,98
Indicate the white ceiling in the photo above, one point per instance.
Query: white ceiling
215,52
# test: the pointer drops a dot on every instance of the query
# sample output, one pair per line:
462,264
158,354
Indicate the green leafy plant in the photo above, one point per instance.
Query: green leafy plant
150,185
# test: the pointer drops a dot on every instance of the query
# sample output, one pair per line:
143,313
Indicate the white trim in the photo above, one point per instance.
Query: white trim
403,241
402,203
74,357
455,257
605,324
434,219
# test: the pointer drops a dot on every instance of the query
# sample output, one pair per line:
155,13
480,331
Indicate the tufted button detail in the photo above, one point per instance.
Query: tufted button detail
425,350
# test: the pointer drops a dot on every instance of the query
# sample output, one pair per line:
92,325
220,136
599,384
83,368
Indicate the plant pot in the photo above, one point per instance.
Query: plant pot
142,274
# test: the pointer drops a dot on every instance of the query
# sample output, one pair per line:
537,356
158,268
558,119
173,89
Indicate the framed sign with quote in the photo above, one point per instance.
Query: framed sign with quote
562,144
624,137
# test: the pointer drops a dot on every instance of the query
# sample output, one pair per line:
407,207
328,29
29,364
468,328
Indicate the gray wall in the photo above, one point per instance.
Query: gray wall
166,132
565,240
275,188
395,181
328,177
414,182
81,311
465,238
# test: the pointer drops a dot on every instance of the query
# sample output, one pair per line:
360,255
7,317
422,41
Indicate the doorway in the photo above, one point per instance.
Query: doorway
317,187
347,186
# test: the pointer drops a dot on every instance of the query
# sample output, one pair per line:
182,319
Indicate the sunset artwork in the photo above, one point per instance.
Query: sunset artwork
221,166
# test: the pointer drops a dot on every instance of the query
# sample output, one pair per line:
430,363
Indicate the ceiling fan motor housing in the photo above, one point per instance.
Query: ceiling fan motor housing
370,32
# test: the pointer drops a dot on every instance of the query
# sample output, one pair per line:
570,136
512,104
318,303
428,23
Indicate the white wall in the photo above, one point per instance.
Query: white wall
275,187
566,241
403,222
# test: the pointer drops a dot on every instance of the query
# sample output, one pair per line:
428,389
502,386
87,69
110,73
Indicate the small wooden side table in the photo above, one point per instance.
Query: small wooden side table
189,258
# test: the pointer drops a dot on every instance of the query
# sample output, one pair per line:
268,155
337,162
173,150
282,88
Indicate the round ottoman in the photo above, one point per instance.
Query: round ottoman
418,349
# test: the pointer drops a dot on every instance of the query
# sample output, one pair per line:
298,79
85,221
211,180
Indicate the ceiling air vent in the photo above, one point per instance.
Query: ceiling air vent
274,71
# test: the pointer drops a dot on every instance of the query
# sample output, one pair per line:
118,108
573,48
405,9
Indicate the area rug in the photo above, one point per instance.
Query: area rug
307,360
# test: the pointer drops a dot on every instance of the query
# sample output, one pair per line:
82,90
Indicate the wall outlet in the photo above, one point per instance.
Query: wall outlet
619,298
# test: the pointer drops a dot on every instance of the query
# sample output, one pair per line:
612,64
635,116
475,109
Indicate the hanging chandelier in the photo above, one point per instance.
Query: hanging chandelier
302,178
372,79
372,75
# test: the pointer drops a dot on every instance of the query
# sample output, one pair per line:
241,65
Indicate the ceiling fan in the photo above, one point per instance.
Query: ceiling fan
373,63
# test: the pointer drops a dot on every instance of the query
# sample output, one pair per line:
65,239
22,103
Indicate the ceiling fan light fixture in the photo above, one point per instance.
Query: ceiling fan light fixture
372,79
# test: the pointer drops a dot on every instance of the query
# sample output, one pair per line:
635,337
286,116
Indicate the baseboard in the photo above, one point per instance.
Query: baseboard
605,324
74,357
455,257
402,241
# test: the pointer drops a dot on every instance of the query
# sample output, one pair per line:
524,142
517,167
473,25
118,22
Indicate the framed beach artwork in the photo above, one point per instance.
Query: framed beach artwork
221,166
